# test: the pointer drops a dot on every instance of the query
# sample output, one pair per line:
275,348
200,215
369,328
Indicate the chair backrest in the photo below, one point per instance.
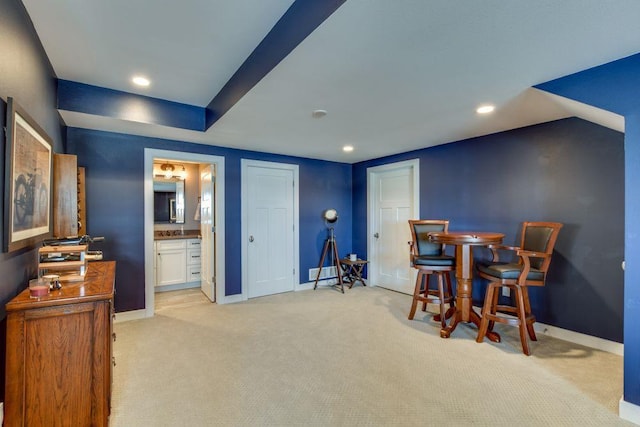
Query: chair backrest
540,237
420,229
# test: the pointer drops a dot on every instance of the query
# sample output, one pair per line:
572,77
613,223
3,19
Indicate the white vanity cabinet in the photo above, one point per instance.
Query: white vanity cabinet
177,263
193,260
171,268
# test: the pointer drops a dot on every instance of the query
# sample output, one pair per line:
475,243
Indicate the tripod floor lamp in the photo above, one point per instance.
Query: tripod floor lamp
330,216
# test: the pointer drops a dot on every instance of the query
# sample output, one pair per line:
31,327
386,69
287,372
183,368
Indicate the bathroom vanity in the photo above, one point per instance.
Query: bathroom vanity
177,261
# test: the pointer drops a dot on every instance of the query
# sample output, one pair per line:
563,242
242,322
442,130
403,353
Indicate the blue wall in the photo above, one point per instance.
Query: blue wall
614,87
115,204
547,172
27,76
632,259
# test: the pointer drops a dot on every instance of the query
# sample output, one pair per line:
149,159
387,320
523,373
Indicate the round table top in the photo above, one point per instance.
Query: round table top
466,237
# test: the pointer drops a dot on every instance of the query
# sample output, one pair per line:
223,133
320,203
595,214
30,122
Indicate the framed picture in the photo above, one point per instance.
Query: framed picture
27,188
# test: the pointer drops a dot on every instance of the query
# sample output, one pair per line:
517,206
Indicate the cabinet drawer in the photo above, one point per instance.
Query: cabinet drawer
193,256
193,243
170,244
193,273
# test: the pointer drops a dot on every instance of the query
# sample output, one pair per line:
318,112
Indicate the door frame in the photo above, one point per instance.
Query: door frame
149,155
413,164
244,166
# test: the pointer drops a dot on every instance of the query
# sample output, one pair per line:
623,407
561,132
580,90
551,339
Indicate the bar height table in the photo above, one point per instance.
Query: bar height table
464,241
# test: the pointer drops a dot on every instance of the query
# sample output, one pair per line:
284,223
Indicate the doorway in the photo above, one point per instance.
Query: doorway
269,228
393,198
217,163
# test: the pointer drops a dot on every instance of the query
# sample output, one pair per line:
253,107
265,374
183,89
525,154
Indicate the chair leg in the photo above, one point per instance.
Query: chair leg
527,308
441,295
494,304
522,317
426,291
416,294
487,308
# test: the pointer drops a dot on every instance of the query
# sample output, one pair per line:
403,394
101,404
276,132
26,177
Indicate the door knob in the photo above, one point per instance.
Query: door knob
251,238
377,235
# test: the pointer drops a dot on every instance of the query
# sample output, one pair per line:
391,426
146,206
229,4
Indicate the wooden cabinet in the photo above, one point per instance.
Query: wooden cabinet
65,195
82,204
59,353
69,207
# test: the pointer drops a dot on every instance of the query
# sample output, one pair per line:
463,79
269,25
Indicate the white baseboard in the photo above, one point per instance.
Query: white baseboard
578,338
629,411
575,337
310,285
231,299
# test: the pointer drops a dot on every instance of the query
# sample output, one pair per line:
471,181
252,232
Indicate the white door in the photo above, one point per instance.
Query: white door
269,209
207,231
393,201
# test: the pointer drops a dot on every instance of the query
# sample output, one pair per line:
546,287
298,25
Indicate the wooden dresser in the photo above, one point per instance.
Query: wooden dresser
59,353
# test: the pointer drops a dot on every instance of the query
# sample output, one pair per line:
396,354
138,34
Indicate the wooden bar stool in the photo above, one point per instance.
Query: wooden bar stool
429,259
530,269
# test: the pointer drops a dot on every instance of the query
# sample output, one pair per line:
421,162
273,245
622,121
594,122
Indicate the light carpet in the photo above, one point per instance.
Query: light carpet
321,358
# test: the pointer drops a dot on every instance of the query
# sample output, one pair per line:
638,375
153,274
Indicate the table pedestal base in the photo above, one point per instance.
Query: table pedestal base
473,318
464,241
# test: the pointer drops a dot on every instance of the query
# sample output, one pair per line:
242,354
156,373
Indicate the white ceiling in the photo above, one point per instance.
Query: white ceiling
393,75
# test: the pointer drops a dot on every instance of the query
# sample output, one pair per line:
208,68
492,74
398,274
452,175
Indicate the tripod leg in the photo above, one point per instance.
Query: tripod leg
338,268
324,254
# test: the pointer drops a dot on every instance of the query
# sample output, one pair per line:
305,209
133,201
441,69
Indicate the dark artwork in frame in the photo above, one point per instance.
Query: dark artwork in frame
27,188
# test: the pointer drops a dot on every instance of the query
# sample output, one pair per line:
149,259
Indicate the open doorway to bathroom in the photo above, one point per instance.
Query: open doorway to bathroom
174,258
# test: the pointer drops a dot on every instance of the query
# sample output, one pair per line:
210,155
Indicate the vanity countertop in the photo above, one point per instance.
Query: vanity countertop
176,234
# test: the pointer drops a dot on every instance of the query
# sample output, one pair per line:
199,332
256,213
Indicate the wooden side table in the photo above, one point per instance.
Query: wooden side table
352,270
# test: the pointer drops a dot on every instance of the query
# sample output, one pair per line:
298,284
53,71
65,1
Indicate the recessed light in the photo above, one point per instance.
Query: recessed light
347,148
485,109
141,81
317,114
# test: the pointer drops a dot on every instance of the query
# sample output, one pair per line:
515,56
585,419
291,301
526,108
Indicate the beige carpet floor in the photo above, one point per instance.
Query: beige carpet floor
321,358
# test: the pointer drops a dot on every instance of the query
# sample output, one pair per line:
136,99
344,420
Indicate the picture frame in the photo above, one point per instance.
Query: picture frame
28,180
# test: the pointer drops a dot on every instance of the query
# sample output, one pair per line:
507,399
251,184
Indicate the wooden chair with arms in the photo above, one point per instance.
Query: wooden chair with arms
429,259
534,256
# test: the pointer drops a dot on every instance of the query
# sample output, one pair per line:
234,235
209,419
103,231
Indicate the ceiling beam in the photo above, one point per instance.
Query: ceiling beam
300,20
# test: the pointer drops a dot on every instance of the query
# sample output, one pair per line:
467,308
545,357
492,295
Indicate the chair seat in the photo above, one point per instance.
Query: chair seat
508,271
434,261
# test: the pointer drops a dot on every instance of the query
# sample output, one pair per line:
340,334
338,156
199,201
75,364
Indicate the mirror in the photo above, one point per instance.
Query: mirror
168,201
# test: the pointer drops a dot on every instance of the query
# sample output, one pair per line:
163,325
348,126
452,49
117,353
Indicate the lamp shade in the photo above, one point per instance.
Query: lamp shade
330,215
